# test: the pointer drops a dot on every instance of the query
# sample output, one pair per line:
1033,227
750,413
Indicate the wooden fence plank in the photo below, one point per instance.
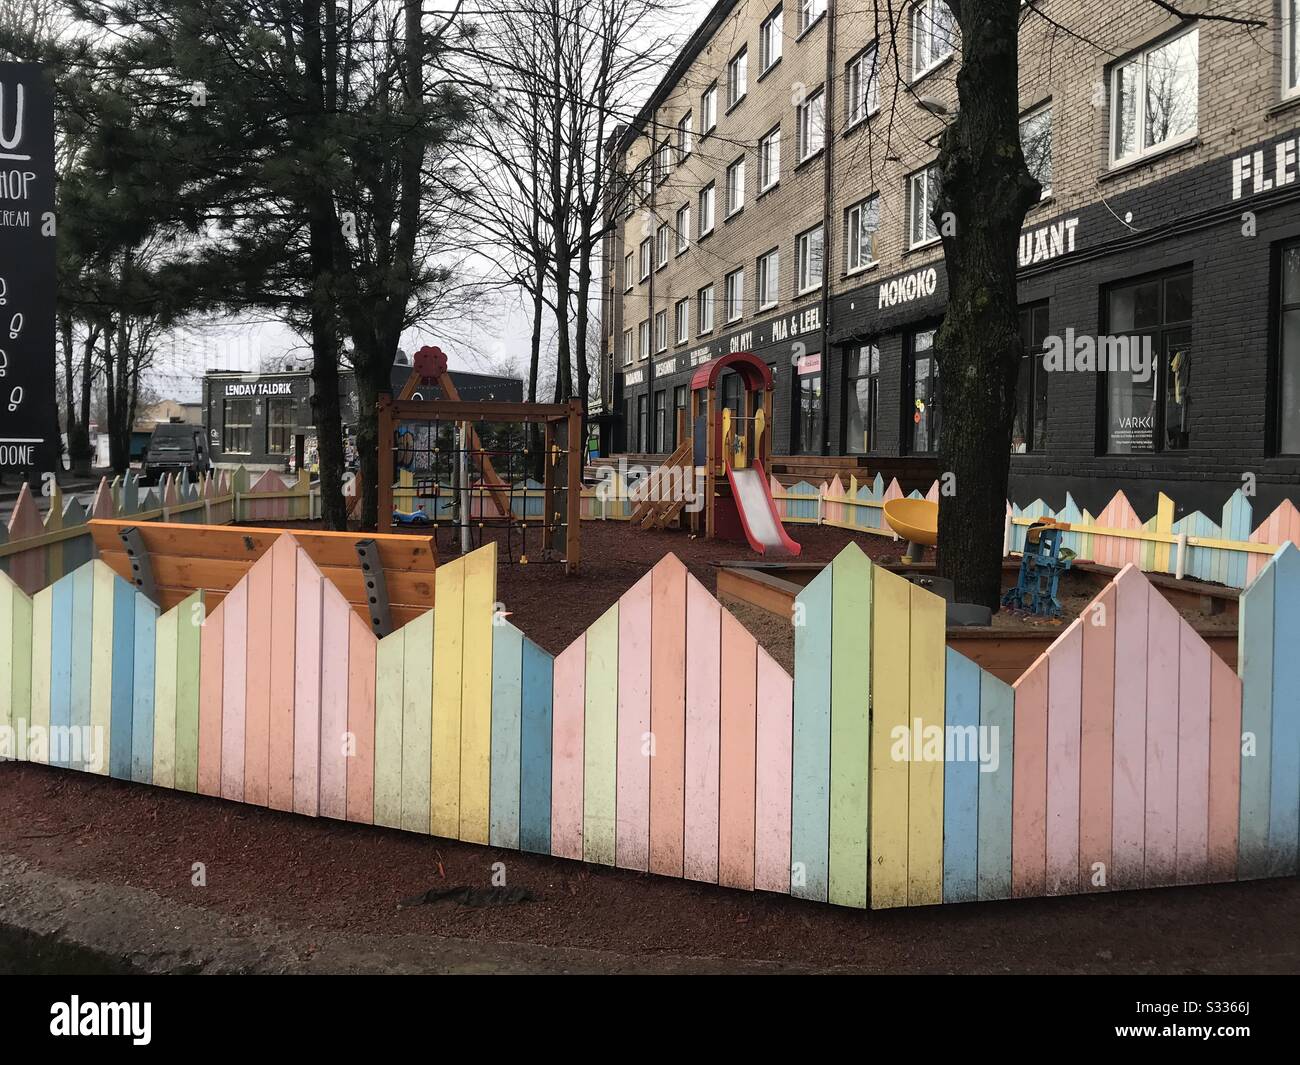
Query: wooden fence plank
703,732
850,727
307,687
961,781
164,700
1029,786
600,740
998,719
1064,725
22,628
390,669
925,777
476,695
189,631
1284,767
1097,741
362,649
891,646
1128,810
419,758
103,616
1255,665
83,649
9,592
448,660
774,753
632,810
212,677
567,750
507,707
61,626
739,677
142,697
41,676
284,639
335,741
535,751
667,715
1225,771
243,743
1193,786
1161,817
811,769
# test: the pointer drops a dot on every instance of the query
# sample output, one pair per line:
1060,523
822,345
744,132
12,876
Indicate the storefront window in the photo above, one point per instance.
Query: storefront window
642,439
680,396
1029,430
629,425
1289,364
923,415
279,425
1147,359
862,399
237,427
661,421
809,415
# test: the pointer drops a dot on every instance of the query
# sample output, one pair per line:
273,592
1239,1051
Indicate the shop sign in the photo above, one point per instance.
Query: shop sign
260,388
910,287
1047,242
809,364
1260,171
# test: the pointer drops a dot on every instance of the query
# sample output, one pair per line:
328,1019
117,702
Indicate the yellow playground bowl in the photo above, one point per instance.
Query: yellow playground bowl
915,520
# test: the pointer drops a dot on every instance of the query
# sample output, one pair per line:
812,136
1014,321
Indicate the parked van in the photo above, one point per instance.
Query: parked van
174,447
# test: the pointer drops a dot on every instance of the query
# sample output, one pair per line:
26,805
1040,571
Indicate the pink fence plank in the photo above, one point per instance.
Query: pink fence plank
1117,551
1193,756
233,692
632,807
1224,800
667,715
211,677
1029,782
307,689
773,757
27,568
1161,825
1096,748
1064,722
1282,525
567,750
1129,773
704,644
284,608
257,727
335,742
736,778
361,720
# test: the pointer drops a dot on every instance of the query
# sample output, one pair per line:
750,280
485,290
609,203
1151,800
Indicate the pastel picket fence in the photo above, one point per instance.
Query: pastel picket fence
889,771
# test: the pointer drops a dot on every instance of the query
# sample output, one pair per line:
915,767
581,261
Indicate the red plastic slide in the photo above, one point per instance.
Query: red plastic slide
757,509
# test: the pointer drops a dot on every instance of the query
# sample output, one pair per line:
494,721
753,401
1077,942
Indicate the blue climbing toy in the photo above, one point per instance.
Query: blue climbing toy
1041,565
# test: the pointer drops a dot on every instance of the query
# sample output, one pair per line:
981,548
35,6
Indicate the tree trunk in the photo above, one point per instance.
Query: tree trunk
986,190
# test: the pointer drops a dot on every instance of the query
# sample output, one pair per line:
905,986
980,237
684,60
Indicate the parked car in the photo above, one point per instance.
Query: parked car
174,447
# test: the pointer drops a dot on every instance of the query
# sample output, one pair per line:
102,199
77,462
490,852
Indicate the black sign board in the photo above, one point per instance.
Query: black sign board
28,427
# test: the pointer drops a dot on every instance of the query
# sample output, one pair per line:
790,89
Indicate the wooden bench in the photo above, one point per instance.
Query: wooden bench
184,558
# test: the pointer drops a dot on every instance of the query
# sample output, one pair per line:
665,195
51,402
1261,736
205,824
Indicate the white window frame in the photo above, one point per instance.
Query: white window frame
767,279
860,109
643,339
770,31
735,204
737,77
682,320
1030,116
683,228
734,295
933,56
661,332
810,118
629,270
661,246
664,160
853,228
1290,47
685,135
769,159
646,261
923,177
704,310
629,349
709,196
803,260
1140,58
709,110
810,11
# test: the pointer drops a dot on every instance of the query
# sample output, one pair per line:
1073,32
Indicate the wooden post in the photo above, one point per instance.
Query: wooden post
548,487
573,490
386,463
711,458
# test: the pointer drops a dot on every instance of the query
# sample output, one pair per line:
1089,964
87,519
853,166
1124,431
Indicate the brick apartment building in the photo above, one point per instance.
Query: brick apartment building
778,186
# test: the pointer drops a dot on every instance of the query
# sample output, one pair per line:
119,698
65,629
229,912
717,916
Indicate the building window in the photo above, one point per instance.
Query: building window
1036,143
709,109
1289,363
645,258
861,222
811,245
680,395
661,421
643,339
280,418
811,115
1029,430
769,160
682,320
661,331
627,273
1147,356
735,295
808,414
685,135
1154,98
237,427
769,279
706,209
683,227
1290,47
646,181
862,399
862,85
627,347
922,192
735,186
769,41
923,420
642,439
661,245
934,35
737,78
704,309
663,161
809,12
